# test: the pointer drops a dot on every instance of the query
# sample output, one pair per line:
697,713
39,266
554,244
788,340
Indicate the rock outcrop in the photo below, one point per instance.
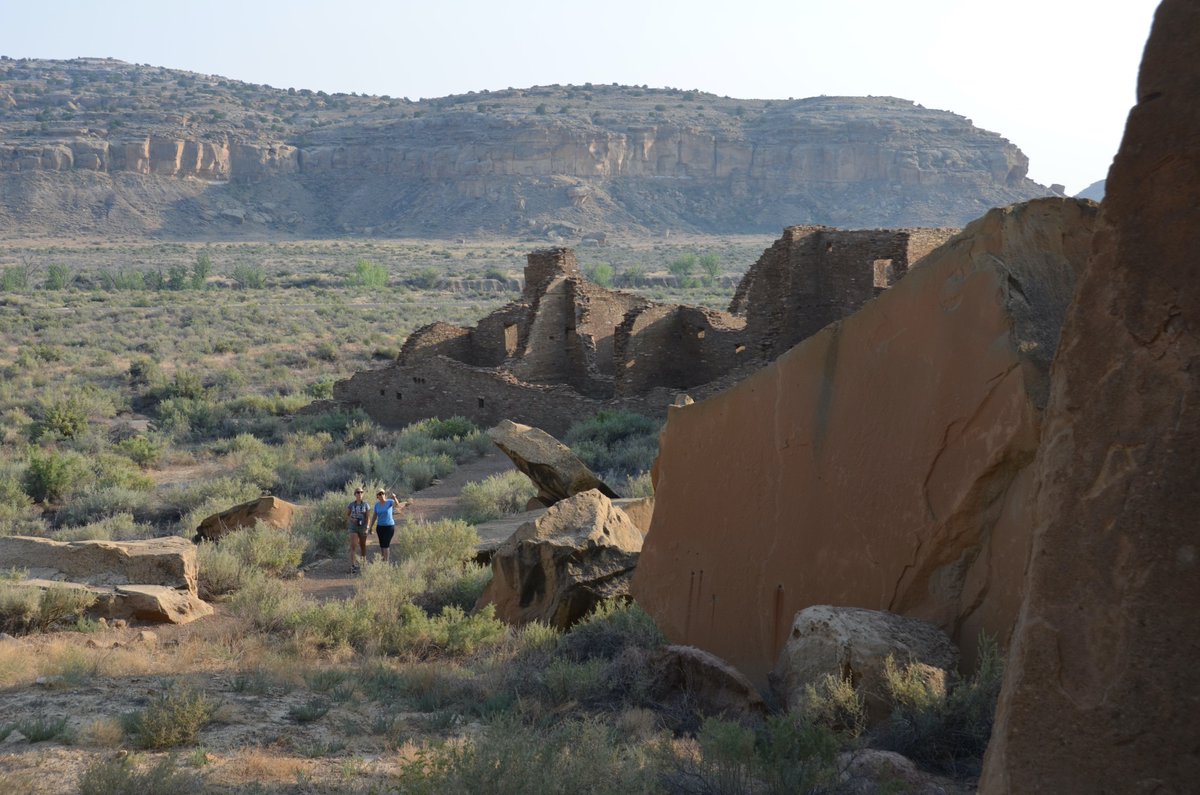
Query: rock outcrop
881,463
270,510
1102,686
556,568
114,140
152,580
852,643
554,469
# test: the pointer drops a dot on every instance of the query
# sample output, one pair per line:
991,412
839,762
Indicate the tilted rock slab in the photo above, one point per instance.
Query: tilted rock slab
556,568
878,464
554,469
167,561
850,642
1102,685
271,510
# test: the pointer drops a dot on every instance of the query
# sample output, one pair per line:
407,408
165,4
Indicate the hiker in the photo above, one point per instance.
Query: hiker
357,515
385,520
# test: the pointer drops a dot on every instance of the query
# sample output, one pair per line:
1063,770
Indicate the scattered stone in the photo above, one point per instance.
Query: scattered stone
870,771
120,623
146,636
270,510
15,737
554,469
169,561
556,568
849,642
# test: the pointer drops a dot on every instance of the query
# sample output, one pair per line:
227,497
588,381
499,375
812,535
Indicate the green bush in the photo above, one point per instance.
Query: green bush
944,728
456,427
173,718
368,275
610,629
600,274
249,277
835,704
498,495
142,450
615,443
41,729
51,475
64,417
273,551
783,757
440,544
221,572
120,776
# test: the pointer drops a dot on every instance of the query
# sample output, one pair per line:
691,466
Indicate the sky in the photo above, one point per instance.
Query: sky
1055,77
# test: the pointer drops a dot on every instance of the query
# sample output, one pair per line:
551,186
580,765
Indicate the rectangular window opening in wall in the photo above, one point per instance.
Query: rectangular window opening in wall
480,402
399,396
883,273
382,392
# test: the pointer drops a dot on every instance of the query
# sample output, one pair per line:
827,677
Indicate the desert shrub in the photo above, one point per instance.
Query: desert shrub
420,472
610,629
118,527
640,485
268,604
569,681
64,417
783,757
249,277
271,550
323,523
497,495
601,274
173,718
943,728
309,711
25,608
118,776
50,474
369,275
440,544
510,758
110,470
142,450
460,589
616,443
221,571
40,729
835,704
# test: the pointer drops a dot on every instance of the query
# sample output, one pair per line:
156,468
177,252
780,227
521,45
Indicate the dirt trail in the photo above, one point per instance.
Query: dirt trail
331,579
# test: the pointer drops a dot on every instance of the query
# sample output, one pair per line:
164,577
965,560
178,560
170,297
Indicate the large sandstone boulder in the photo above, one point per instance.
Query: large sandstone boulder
1102,685
556,568
554,469
881,463
271,510
167,561
849,642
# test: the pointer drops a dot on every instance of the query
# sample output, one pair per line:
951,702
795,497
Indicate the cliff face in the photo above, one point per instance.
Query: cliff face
545,160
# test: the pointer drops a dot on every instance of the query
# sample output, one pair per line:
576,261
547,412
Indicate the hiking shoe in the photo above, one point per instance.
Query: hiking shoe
354,569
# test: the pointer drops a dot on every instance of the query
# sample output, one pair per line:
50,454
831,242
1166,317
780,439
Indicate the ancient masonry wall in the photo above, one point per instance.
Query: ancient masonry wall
568,348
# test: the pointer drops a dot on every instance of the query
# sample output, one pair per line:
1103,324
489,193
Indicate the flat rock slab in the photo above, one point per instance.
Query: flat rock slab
157,604
169,561
269,510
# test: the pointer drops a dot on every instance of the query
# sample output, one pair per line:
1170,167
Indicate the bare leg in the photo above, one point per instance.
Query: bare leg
362,543
383,553
352,542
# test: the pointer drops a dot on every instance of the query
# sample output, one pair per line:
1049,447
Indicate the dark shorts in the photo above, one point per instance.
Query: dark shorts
385,533
360,530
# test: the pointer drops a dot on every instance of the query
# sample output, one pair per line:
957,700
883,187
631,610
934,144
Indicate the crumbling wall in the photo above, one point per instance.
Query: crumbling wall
438,339
497,337
814,275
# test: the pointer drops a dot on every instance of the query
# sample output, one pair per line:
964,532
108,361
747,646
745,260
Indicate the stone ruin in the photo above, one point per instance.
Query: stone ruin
569,348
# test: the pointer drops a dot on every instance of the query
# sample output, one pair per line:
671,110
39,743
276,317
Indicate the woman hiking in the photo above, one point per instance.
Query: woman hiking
384,519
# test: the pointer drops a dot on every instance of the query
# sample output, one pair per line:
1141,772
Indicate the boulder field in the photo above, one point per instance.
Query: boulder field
882,463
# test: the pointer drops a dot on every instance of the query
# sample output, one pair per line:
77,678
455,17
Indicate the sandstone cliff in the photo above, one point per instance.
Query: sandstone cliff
109,143
1102,684
880,463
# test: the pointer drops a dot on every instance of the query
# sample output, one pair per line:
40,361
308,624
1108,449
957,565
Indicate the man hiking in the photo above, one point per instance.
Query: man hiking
357,516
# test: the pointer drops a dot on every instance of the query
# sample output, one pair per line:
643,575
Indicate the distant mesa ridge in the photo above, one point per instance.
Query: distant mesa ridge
98,146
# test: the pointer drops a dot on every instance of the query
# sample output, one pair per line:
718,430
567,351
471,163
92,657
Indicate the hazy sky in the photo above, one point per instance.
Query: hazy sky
1055,77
